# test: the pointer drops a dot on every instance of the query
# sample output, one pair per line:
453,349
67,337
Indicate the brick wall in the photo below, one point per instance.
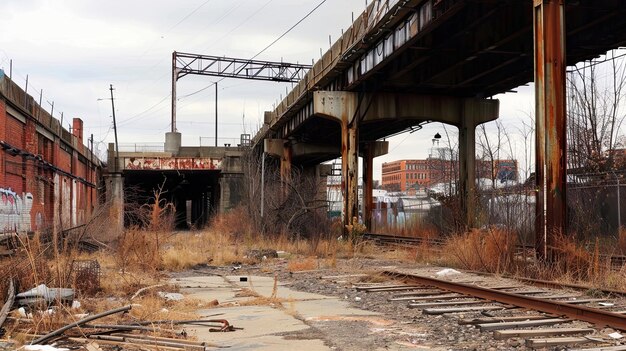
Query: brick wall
43,182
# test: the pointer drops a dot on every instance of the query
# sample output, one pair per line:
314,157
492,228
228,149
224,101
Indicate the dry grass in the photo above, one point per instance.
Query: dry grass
303,264
621,241
489,250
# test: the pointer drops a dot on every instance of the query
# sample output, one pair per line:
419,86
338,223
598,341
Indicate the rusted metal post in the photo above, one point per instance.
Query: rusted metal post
368,183
349,170
550,116
285,167
467,170
174,79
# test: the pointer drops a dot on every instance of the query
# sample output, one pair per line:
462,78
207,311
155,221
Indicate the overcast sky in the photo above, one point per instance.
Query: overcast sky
73,50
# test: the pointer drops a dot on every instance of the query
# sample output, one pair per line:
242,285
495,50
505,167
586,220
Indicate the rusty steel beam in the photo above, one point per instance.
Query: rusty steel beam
467,170
550,105
349,169
591,315
285,164
368,183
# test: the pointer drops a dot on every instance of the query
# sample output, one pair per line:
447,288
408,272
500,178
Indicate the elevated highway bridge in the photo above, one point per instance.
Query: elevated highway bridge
403,63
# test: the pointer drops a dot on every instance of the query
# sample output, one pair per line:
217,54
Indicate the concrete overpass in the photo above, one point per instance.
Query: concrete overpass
199,181
407,62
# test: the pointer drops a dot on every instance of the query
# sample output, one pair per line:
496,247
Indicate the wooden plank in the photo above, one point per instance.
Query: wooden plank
93,347
562,297
399,288
449,303
522,324
536,343
6,308
504,287
420,293
604,348
528,292
427,298
463,309
366,287
501,319
580,302
516,333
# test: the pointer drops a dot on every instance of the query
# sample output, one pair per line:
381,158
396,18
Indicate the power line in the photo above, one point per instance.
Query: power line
189,15
289,30
267,47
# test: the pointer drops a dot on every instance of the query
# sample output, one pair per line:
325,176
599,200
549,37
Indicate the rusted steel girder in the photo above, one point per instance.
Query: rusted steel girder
587,314
550,105
467,170
285,164
368,183
349,169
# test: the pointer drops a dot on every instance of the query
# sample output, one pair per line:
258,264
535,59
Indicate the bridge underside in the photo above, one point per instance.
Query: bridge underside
438,53
194,194
483,48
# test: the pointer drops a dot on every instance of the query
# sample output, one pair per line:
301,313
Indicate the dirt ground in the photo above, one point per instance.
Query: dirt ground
383,325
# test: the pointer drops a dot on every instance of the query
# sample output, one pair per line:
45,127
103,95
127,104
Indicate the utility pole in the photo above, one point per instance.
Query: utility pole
117,148
90,176
215,114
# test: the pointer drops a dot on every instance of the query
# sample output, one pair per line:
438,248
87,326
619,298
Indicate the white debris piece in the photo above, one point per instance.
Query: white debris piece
75,304
606,304
171,296
357,299
22,312
446,272
616,335
43,348
43,293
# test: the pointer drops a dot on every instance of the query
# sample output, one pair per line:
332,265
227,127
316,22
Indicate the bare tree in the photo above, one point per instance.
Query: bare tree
596,113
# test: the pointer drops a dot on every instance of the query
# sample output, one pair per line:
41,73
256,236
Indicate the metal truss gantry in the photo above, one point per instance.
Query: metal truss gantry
184,64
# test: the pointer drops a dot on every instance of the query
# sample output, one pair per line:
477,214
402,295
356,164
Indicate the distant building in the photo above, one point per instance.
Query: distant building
409,175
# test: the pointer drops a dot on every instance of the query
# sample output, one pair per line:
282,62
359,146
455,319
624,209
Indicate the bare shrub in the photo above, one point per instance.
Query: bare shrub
490,250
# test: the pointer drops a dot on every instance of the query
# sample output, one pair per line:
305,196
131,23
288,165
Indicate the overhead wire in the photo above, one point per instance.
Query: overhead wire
267,47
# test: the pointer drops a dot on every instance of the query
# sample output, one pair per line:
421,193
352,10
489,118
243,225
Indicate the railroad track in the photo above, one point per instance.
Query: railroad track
543,318
617,262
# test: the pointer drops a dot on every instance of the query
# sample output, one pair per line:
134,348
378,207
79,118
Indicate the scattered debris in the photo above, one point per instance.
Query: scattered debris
4,312
142,290
616,335
446,272
86,276
47,337
171,296
261,254
43,294
42,348
76,304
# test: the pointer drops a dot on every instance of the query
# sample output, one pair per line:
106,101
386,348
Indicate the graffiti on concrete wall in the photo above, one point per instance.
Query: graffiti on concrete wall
172,163
15,211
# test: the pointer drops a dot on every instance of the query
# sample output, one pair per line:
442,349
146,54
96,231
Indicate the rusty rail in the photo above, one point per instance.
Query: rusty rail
4,312
582,313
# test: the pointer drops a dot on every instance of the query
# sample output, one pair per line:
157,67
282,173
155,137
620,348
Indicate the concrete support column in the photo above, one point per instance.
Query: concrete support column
467,170
370,150
550,117
114,183
349,171
368,184
285,165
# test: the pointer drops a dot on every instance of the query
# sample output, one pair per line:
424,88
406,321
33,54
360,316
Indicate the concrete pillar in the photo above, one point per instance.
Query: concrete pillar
370,151
467,170
114,183
349,171
342,106
368,184
285,166
550,117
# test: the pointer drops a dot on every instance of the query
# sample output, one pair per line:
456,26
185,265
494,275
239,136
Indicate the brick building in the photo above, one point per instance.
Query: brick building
48,176
405,175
